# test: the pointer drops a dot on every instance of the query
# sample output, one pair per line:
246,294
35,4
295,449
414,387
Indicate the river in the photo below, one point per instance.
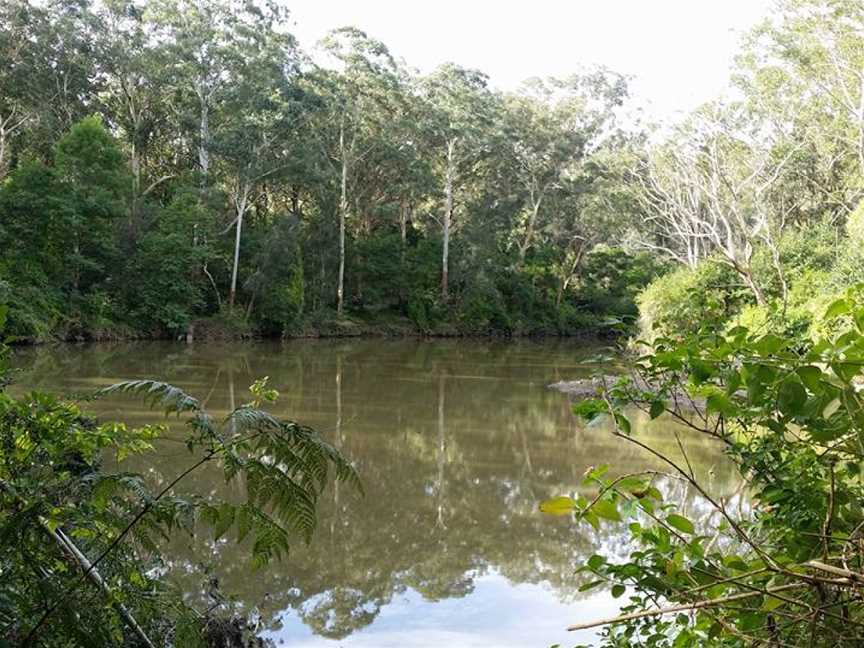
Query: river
456,443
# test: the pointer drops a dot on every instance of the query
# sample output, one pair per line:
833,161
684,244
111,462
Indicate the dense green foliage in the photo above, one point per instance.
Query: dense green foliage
783,571
200,173
755,340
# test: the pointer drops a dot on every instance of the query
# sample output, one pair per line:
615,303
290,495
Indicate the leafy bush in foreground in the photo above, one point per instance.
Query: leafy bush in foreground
679,302
784,571
80,562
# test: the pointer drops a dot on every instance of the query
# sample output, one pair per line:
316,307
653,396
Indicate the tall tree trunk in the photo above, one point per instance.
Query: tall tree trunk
404,208
571,270
9,125
240,203
403,225
755,288
204,134
135,164
448,217
529,229
343,209
4,151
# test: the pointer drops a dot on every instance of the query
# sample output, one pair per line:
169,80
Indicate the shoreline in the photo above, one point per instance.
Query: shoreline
366,332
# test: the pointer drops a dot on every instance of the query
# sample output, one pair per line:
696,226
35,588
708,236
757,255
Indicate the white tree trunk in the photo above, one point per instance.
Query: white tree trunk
9,125
4,152
204,135
240,205
403,224
135,163
578,246
343,210
448,217
536,199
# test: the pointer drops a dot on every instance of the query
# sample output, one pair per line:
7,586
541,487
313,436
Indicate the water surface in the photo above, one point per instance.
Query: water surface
456,442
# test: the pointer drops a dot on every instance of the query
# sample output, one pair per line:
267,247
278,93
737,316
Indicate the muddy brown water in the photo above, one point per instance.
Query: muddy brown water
456,443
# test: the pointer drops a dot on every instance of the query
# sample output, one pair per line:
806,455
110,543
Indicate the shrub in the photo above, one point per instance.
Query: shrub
784,569
676,303
801,315
483,308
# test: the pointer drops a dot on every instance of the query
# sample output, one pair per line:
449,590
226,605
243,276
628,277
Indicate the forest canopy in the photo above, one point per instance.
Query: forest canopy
173,162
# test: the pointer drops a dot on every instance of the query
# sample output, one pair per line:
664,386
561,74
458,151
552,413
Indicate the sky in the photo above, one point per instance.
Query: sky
679,51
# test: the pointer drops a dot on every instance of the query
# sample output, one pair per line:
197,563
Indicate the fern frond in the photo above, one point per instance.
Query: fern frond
317,455
285,467
271,539
270,487
247,418
107,486
172,399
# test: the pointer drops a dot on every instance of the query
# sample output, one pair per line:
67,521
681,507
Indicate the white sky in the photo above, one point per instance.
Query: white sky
679,51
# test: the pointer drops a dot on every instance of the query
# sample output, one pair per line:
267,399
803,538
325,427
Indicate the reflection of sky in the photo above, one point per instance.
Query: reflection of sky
497,613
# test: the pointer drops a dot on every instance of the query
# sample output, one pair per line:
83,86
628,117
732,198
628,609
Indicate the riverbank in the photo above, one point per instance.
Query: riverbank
222,328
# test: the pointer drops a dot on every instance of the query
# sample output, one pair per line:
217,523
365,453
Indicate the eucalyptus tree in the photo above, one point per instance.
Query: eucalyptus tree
804,66
50,74
552,126
202,38
17,52
461,111
257,114
706,191
361,97
596,205
815,48
136,97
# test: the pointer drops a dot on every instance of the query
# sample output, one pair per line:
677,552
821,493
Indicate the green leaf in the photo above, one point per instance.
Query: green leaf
769,344
590,409
720,403
792,397
700,371
838,307
681,523
597,473
591,585
750,621
606,510
772,603
846,370
812,377
735,562
657,408
831,408
558,506
591,518
623,424
618,591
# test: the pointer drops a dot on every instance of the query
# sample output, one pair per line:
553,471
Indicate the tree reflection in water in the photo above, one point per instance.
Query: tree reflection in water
456,443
